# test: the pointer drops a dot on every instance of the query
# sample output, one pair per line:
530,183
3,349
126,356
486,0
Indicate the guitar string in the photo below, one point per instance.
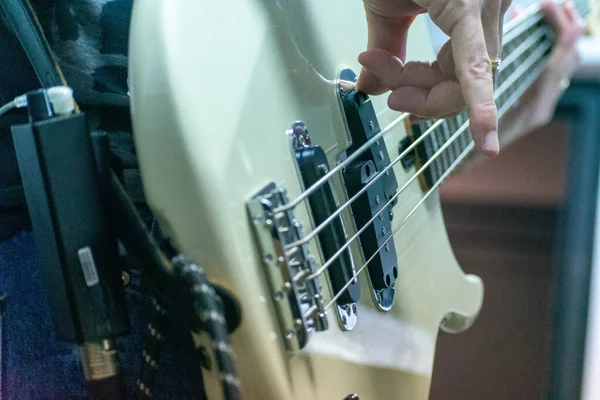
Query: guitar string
464,153
522,22
322,181
454,137
382,173
527,43
343,248
517,53
511,33
513,98
531,16
436,155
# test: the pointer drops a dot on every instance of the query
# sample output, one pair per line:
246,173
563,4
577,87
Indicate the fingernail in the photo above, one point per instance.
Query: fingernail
347,85
491,147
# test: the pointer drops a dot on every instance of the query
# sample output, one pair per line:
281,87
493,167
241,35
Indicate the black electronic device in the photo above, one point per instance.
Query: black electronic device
76,246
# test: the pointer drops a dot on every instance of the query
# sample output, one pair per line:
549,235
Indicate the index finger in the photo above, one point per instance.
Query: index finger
474,72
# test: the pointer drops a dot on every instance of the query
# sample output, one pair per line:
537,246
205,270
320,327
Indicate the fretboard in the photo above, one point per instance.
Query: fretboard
526,46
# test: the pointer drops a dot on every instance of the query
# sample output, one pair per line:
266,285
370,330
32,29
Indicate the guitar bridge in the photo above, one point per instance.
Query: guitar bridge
298,300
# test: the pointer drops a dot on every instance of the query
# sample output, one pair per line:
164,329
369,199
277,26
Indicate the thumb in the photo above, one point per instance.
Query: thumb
388,34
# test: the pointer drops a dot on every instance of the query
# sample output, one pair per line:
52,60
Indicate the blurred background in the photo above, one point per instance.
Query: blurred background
502,222
520,221
506,222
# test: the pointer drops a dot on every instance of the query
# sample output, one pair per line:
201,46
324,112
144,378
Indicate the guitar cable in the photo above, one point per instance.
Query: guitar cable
207,315
17,102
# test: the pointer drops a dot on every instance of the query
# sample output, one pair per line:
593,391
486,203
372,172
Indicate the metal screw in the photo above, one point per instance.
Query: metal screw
371,125
290,334
125,278
269,222
278,296
268,258
391,214
204,358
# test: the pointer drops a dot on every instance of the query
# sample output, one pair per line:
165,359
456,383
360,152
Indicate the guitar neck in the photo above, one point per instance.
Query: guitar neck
527,43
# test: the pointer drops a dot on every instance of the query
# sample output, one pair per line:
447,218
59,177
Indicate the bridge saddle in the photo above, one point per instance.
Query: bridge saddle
299,301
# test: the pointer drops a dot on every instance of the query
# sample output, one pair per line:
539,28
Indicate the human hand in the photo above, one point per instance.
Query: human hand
536,107
462,73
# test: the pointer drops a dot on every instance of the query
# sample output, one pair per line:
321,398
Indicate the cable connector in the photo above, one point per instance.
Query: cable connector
20,101
61,98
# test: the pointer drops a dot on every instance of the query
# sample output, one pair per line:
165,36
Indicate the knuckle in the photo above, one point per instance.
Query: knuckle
446,14
478,68
488,109
485,116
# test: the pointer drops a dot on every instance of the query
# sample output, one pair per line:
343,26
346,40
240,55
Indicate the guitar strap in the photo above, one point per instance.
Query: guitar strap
21,19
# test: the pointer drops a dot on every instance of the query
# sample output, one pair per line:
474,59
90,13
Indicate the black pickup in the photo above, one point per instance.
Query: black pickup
313,165
369,166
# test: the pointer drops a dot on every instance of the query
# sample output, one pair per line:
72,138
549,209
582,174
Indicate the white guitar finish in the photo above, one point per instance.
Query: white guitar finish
214,86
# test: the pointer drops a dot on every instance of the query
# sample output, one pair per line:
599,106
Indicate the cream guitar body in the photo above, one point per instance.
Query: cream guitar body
215,88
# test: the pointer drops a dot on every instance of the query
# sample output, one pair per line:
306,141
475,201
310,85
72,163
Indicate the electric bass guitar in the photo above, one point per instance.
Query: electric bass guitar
314,204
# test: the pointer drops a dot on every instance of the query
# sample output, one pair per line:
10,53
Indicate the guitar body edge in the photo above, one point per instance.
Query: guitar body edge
214,89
